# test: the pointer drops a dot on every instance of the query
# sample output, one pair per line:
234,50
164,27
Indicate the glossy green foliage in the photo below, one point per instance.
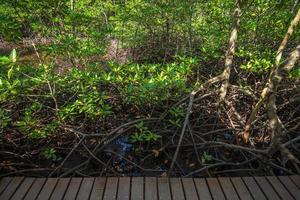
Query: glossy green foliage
143,134
4,118
177,114
206,158
155,30
50,154
49,100
257,61
167,42
152,83
10,27
295,73
90,102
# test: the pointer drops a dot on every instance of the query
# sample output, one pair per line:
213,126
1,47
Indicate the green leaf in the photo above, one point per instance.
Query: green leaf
4,60
9,73
295,73
206,157
13,55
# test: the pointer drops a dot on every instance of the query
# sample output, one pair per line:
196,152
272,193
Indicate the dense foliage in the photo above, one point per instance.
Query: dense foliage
107,83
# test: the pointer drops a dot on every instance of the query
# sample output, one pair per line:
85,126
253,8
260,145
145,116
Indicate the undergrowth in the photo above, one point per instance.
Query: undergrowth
37,100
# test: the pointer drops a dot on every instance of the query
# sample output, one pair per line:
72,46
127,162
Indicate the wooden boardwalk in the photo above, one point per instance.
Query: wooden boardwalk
140,188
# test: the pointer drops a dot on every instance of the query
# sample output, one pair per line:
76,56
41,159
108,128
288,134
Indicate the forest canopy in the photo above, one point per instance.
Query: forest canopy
146,87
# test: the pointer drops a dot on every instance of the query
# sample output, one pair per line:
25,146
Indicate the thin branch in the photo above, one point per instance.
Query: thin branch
266,91
188,112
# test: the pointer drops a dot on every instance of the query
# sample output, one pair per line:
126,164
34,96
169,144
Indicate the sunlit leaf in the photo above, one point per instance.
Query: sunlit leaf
13,55
9,73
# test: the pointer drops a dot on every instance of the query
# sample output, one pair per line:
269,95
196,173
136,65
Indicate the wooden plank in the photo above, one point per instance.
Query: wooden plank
98,188
215,188
266,188
47,189
296,180
11,188
111,188
280,189
254,188
137,188
124,188
4,183
73,188
241,188
163,188
35,189
189,189
151,188
60,189
289,184
23,189
85,188
261,188
177,189
202,188
228,188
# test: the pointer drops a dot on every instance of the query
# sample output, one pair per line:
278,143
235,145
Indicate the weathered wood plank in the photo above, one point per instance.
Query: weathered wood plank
177,189
35,188
189,189
215,189
73,188
164,188
280,189
111,188
11,188
202,188
254,188
23,189
137,188
151,188
4,183
241,188
124,188
47,189
266,188
289,184
98,188
85,189
228,188
296,180
60,189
